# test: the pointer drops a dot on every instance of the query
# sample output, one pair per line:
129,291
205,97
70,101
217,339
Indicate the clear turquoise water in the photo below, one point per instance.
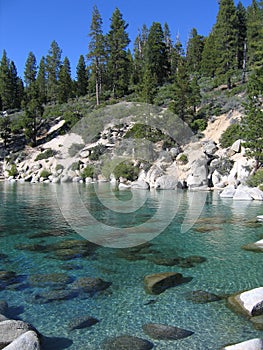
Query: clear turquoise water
218,234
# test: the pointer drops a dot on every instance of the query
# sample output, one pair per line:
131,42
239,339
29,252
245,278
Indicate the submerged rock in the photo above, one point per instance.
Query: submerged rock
202,297
82,322
26,341
159,282
48,296
127,342
257,322
165,332
252,344
49,279
90,285
3,307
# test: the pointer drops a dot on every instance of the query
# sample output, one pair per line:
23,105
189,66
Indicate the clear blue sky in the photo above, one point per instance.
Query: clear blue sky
31,25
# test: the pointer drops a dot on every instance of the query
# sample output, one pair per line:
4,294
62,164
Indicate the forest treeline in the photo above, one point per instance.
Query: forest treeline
229,55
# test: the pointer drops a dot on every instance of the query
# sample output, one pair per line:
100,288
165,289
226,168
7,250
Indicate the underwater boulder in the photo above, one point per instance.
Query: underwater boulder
159,282
127,342
165,332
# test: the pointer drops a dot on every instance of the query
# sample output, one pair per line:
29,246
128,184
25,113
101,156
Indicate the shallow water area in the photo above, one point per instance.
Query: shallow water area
36,227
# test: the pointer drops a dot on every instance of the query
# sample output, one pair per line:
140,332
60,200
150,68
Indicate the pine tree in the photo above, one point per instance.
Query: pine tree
157,54
148,88
53,63
252,122
65,86
5,129
139,55
32,120
41,81
97,52
118,62
226,46
255,35
195,46
177,56
242,35
209,56
82,77
30,71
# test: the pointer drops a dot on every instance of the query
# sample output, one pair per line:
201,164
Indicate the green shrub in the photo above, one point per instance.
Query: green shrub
183,159
88,171
45,155
199,125
75,166
127,170
256,179
97,151
45,173
59,167
232,134
13,170
75,148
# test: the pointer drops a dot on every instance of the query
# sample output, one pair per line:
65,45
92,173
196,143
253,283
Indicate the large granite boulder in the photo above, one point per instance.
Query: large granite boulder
165,332
249,303
228,192
127,342
26,341
242,193
159,282
12,329
166,182
140,185
252,344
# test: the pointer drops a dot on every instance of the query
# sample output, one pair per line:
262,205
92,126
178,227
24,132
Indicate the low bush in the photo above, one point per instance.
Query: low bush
256,179
127,170
183,158
13,170
97,151
232,134
88,171
45,155
45,173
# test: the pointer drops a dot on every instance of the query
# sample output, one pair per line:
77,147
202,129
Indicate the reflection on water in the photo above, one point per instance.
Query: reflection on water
196,234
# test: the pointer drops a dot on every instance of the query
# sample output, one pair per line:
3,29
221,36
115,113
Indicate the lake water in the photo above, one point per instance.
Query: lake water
36,219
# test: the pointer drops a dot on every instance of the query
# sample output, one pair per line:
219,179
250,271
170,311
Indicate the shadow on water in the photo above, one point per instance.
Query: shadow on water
55,343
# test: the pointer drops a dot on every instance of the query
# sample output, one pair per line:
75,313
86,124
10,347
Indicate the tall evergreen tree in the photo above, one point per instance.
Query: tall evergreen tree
148,86
252,122
194,50
139,55
97,52
53,63
255,35
41,80
30,71
226,33
65,86
157,54
177,56
118,62
242,35
82,77
209,56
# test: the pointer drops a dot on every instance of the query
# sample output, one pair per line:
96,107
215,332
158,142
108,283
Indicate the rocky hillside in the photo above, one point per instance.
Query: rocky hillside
139,147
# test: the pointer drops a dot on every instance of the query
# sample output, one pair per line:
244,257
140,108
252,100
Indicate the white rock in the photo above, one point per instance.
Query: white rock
242,194
26,341
251,298
166,182
252,344
76,179
228,192
88,180
140,184
255,193
65,178
236,147
123,186
11,329
260,217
